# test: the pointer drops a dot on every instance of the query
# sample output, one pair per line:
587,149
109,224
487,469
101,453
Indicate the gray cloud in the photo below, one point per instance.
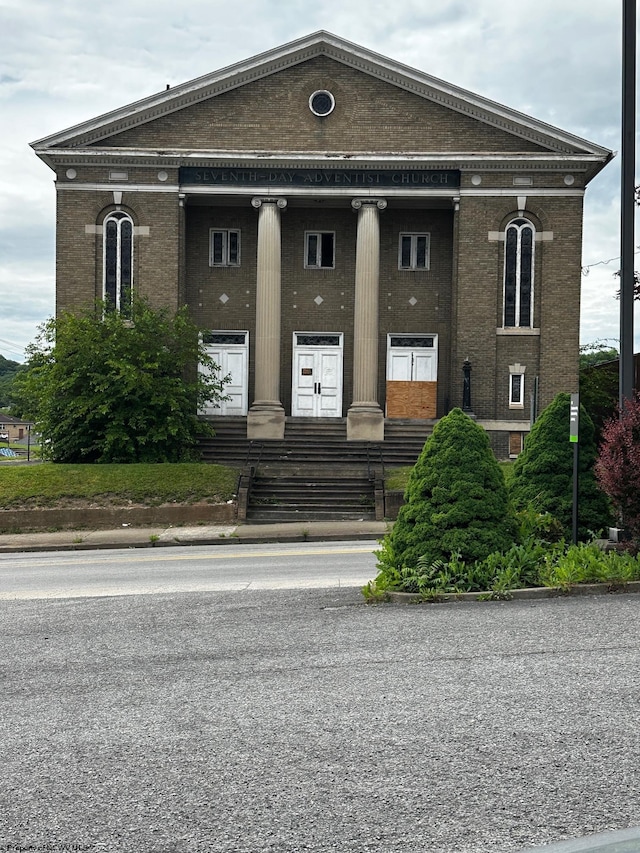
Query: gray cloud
64,63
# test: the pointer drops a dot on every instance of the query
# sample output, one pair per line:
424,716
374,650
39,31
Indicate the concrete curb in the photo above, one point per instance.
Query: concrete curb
211,534
533,593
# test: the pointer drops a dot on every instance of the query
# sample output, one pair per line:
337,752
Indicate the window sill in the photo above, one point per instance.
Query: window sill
516,331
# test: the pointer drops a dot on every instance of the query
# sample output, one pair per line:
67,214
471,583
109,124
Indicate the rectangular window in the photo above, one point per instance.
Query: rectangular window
413,252
224,247
516,391
319,249
515,444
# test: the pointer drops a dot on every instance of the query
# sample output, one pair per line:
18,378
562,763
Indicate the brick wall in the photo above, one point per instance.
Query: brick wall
273,114
431,289
79,251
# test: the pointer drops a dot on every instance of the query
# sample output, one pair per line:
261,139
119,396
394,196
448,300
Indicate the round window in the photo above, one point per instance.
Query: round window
321,103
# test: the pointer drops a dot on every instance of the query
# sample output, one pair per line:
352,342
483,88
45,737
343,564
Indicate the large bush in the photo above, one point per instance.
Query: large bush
618,465
456,500
103,388
543,473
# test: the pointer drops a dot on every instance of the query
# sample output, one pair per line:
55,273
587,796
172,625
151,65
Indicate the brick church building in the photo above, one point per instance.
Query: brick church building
349,232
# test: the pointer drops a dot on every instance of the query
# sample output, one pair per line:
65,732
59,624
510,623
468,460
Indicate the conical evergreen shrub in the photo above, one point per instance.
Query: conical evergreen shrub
543,473
456,499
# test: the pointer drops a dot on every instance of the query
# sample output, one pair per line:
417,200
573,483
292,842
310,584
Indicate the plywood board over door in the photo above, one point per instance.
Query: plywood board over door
414,400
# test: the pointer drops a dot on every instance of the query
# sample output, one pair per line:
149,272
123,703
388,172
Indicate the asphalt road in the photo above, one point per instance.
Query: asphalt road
186,569
304,720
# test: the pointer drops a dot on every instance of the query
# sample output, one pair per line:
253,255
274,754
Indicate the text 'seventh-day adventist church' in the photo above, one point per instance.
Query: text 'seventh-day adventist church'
349,231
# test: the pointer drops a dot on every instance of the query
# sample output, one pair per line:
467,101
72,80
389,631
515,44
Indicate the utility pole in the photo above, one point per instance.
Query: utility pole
627,206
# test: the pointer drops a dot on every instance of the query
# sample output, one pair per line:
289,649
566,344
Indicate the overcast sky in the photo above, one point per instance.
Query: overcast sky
66,61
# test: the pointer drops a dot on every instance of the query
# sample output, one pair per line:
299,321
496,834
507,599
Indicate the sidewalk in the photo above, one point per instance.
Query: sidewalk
217,534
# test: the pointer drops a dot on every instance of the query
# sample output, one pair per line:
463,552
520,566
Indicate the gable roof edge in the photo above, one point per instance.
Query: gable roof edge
300,50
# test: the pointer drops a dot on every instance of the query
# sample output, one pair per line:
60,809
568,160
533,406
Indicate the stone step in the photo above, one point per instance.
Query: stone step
283,497
273,514
307,485
315,442
279,496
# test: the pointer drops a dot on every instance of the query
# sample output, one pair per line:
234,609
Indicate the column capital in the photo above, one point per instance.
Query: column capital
380,203
258,201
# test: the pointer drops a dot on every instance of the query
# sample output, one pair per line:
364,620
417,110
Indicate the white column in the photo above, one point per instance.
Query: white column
266,415
365,419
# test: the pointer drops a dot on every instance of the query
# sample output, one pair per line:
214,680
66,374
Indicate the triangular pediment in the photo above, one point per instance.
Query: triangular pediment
213,100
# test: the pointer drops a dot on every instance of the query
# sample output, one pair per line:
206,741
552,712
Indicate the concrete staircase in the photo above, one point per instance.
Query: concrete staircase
279,496
311,440
313,474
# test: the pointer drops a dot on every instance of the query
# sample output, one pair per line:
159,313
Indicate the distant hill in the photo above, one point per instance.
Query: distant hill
8,370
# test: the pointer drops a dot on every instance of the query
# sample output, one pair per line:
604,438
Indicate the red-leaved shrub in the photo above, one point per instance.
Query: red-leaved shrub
618,465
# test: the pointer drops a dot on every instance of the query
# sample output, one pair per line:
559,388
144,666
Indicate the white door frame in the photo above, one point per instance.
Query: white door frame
232,356
316,387
422,364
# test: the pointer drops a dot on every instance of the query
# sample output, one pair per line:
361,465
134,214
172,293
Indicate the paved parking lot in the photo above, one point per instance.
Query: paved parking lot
307,721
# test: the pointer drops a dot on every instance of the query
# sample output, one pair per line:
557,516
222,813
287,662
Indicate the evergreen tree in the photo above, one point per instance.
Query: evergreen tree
543,473
456,499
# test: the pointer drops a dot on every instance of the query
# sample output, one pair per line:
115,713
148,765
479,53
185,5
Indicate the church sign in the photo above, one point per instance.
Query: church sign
405,179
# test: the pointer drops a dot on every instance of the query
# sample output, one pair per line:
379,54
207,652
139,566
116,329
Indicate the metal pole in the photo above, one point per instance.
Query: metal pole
627,200
576,488
574,438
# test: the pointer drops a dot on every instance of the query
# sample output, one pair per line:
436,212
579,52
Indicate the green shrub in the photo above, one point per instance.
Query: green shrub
102,387
533,563
586,563
456,501
543,473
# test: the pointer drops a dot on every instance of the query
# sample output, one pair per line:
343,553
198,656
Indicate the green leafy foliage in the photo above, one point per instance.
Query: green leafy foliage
599,380
8,371
534,563
456,501
586,563
102,388
543,473
598,352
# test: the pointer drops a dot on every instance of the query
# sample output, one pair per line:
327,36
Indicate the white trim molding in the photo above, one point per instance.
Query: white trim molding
347,53
505,426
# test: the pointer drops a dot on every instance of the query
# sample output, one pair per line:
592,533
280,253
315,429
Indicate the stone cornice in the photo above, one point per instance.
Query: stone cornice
153,158
340,50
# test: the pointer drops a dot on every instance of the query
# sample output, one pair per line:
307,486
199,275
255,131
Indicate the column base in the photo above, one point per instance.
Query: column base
365,423
265,421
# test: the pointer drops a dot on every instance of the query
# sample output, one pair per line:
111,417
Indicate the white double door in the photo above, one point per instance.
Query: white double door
317,375
412,358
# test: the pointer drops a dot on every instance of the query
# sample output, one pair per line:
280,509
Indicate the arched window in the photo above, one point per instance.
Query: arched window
519,248
118,262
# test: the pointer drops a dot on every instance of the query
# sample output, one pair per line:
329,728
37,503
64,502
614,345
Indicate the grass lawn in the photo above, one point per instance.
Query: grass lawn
48,484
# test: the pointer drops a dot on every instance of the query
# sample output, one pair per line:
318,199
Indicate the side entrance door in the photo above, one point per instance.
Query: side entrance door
317,375
230,351
412,373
